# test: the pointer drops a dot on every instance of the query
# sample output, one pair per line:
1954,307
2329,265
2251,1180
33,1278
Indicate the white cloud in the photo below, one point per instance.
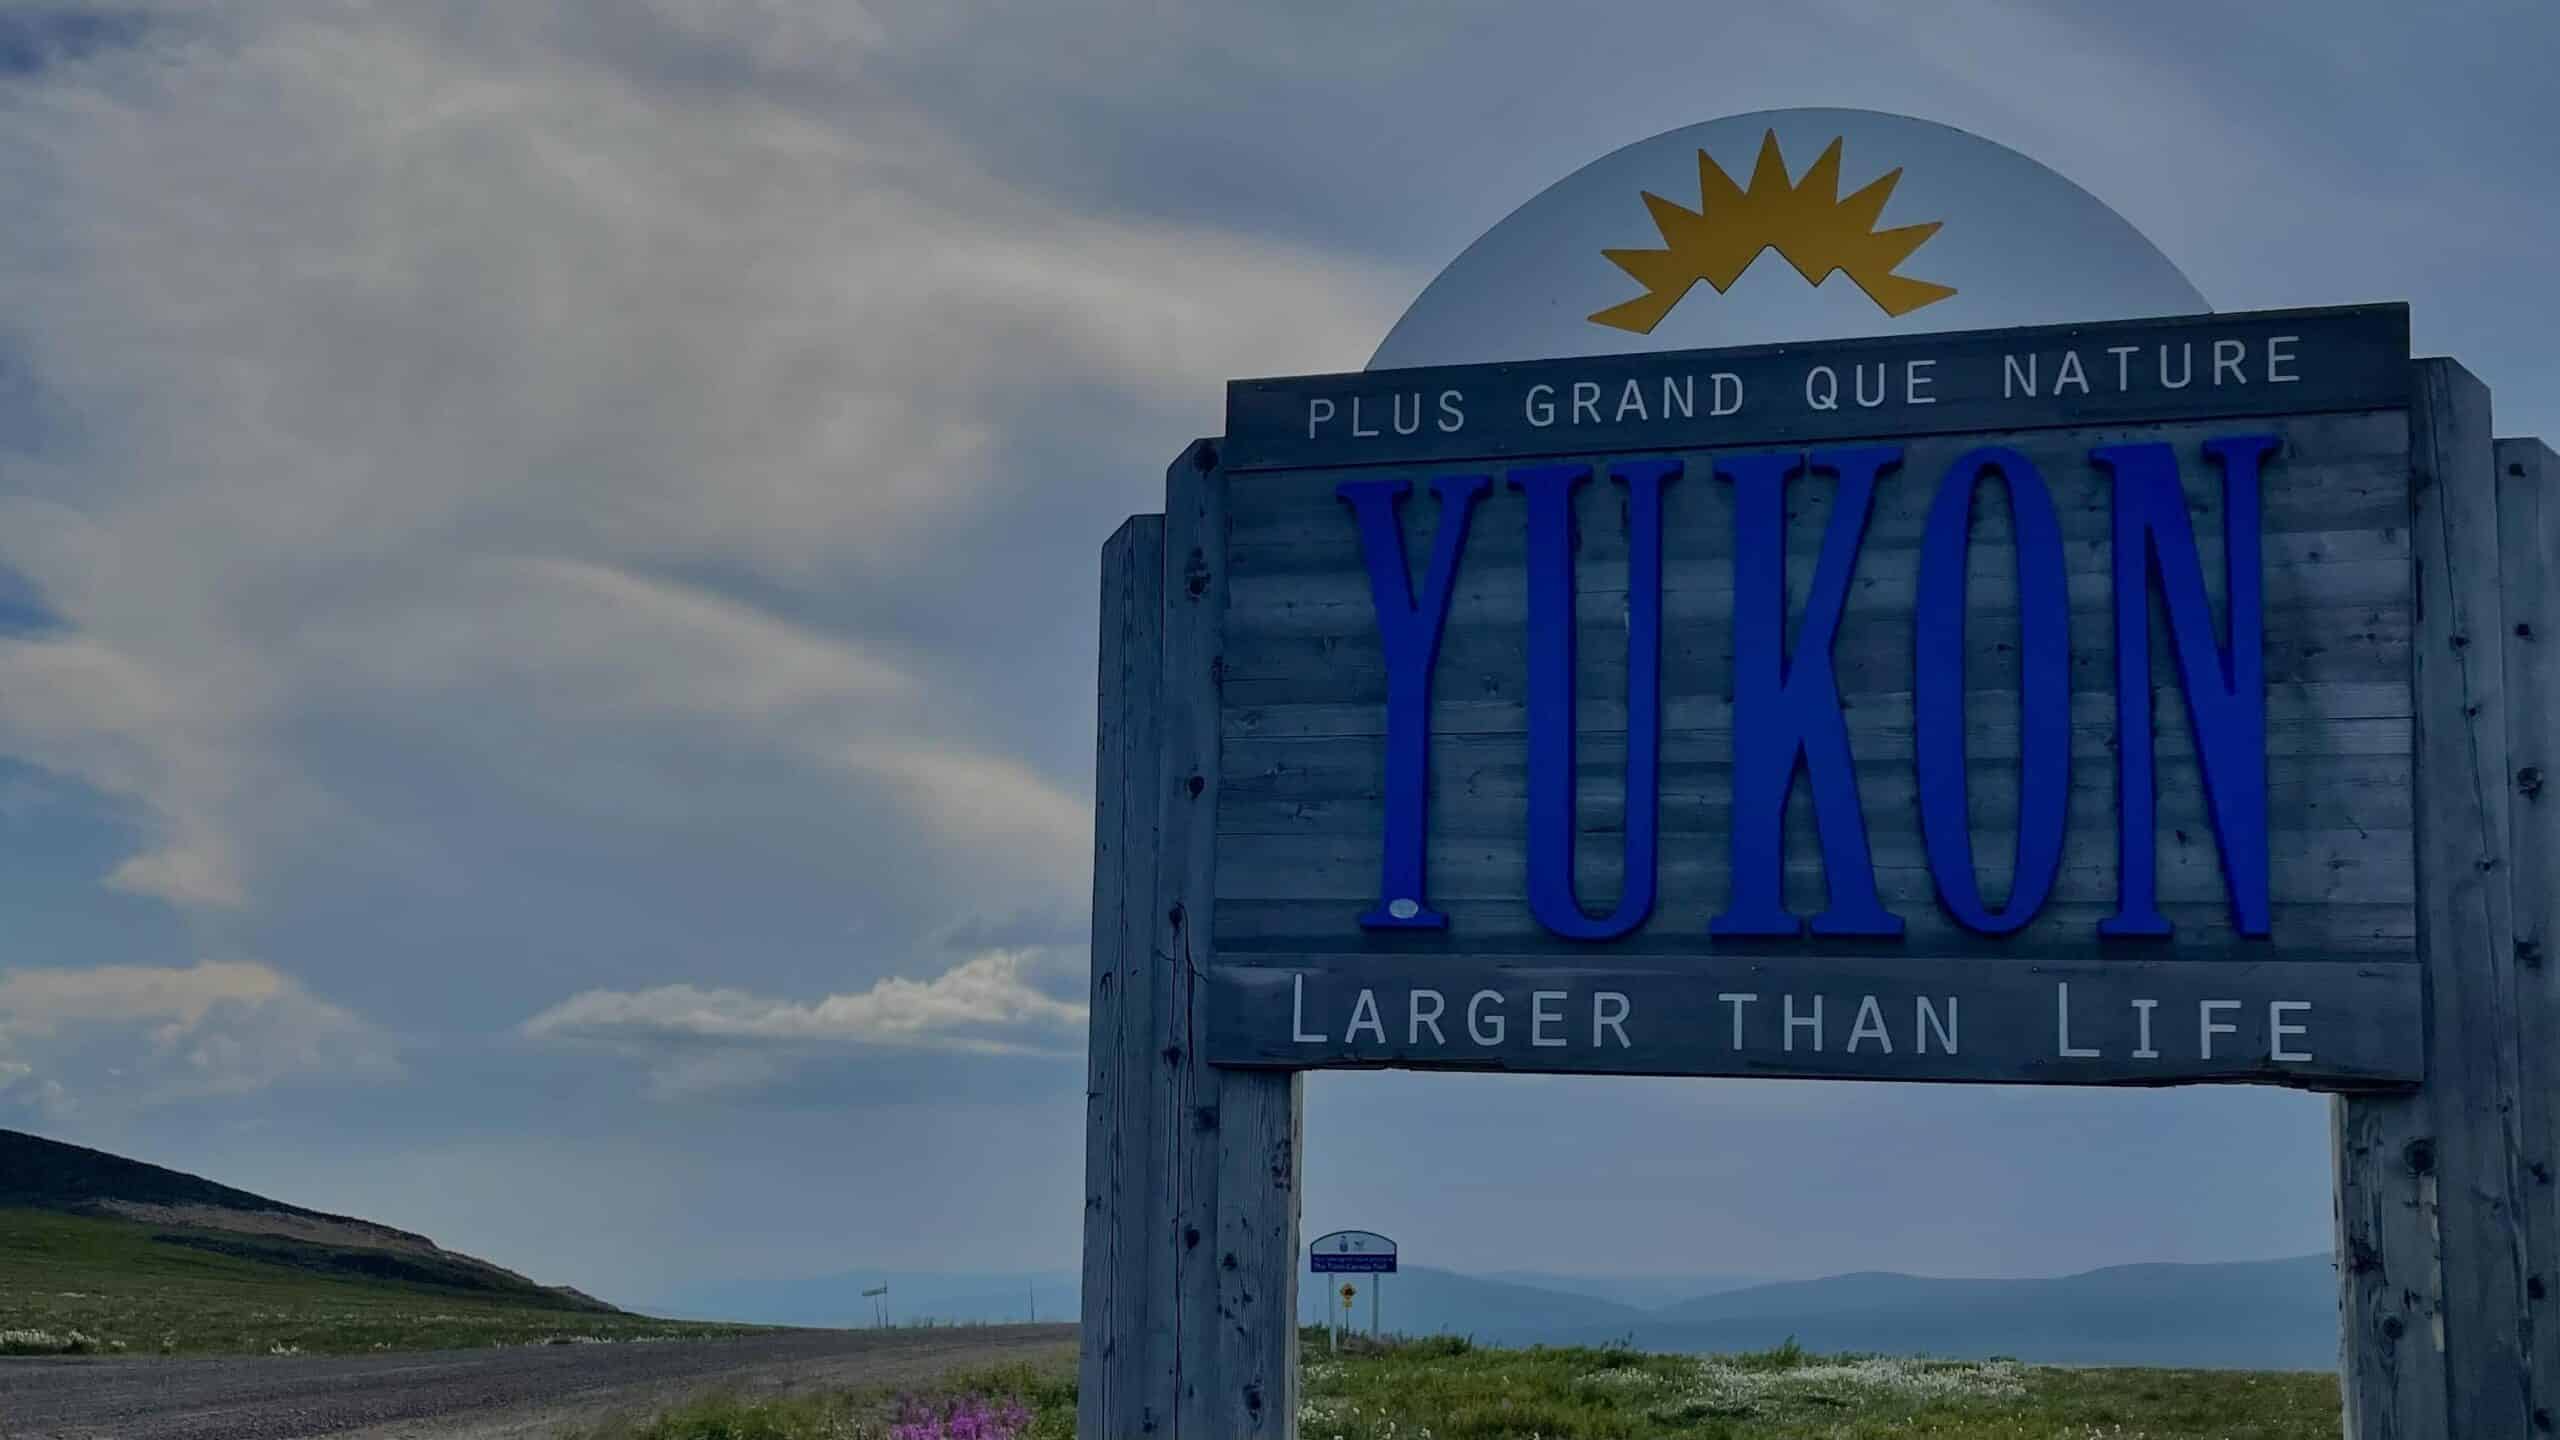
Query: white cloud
404,352
138,1035
702,1039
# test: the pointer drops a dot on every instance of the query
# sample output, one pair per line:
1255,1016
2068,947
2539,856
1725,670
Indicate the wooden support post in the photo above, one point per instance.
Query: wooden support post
1126,1207
1191,1224
2430,1240
1236,1144
2529,561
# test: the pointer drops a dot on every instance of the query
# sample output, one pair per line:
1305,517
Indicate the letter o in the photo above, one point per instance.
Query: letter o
2044,691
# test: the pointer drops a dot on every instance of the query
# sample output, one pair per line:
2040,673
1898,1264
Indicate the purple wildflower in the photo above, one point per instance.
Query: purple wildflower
967,1417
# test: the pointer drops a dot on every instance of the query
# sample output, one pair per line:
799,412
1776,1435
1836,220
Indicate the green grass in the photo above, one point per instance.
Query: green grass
1049,1392
74,1283
1446,1389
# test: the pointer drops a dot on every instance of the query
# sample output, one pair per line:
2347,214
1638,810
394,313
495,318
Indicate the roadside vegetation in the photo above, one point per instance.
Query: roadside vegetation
72,1284
1443,1388
1018,1402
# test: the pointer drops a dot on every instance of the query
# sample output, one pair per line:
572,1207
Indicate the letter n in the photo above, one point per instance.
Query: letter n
1410,635
2225,686
1786,707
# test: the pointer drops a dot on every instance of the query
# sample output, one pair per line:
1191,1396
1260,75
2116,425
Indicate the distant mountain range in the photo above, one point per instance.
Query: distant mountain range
2270,1314
837,1302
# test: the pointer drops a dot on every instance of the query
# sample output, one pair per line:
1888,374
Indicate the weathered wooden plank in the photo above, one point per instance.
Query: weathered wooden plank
2391,1362
2324,567
2529,565
2335,473
2296,716
2466,936
1292,788
1481,658
1233,1147
2086,1022
2305,867
1125,1207
2348,360
2367,933
2458,1285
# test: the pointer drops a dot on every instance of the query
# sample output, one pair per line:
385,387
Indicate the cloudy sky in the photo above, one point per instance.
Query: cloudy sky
547,566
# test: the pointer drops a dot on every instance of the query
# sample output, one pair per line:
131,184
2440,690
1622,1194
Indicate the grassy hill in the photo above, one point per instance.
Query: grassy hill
99,1252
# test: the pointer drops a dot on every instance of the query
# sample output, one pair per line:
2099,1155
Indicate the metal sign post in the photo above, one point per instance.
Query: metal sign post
2211,624
1353,1252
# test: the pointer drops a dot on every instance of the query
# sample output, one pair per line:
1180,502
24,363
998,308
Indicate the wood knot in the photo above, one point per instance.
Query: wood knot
2460,642
2524,630
2392,1328
2541,1173
1190,1237
1173,917
1173,1054
1205,1118
2420,1156
1253,1399
2529,781
1228,1261
1195,576
2362,1258
2534,1288
2529,954
1195,785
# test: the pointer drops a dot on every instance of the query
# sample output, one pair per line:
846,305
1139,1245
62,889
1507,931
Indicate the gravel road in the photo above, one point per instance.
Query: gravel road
519,1393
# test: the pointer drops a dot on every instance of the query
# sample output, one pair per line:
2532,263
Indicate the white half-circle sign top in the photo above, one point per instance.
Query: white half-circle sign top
1783,226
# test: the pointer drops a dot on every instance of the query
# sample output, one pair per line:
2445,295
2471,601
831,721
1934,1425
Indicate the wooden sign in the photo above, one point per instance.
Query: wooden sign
2156,703
2026,706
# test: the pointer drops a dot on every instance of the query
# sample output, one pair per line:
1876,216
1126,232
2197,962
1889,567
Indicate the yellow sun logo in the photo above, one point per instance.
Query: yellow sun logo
1806,221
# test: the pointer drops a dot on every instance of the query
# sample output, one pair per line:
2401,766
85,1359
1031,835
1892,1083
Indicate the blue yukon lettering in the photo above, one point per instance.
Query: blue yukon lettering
1410,635
1786,707
2225,687
2044,692
1551,694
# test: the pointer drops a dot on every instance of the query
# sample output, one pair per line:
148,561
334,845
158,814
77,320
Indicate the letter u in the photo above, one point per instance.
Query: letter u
1551,694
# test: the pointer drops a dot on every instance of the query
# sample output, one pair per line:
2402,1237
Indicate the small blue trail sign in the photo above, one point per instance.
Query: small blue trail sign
1352,1252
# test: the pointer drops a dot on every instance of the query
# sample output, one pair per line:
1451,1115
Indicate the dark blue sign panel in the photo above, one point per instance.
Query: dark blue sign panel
1899,724
2270,362
1352,1252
